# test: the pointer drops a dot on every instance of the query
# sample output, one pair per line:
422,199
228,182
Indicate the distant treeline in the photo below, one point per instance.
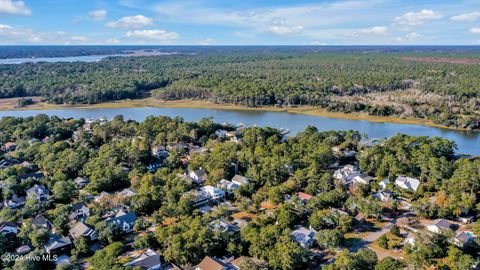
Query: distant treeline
264,76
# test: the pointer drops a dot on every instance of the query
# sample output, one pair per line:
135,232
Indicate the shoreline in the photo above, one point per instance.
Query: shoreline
200,104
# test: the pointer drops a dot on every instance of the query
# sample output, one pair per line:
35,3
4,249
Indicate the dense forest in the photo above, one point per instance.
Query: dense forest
381,83
115,154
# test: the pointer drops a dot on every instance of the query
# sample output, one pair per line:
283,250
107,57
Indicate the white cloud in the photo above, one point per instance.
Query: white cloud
417,18
152,35
14,7
475,30
79,38
61,33
131,22
98,15
317,43
376,30
468,17
408,37
282,29
4,26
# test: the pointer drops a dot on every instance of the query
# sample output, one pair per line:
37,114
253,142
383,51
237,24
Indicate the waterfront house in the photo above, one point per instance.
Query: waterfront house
38,193
146,260
305,237
8,228
407,183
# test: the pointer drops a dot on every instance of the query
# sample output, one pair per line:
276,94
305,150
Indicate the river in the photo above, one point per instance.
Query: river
468,141
86,58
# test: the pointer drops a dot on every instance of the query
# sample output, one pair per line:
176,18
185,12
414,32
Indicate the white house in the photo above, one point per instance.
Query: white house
408,183
438,225
346,174
384,195
305,237
240,180
215,193
384,183
226,185
363,178
124,221
199,176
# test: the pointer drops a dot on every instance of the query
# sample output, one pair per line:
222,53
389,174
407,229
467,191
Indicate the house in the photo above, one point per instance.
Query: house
304,197
339,212
9,146
346,174
384,195
199,176
24,249
439,225
27,164
79,212
81,229
240,180
179,147
215,193
41,222
34,176
15,202
57,244
226,185
8,228
147,260
199,197
102,196
363,178
463,237
305,237
384,183
38,193
210,263
81,182
410,239
127,193
221,133
160,152
222,226
407,183
123,220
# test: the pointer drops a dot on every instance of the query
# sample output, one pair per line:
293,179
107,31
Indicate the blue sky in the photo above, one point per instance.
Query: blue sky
249,22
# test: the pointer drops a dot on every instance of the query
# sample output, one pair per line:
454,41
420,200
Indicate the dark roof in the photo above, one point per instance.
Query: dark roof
40,220
36,175
8,224
78,206
56,242
121,217
146,260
